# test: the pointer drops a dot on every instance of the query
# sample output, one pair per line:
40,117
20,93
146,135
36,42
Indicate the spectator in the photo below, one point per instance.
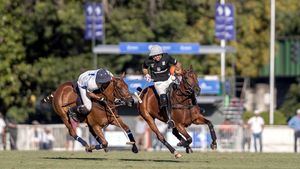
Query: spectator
162,127
246,140
226,130
140,130
294,123
11,128
69,142
256,124
47,140
36,135
2,132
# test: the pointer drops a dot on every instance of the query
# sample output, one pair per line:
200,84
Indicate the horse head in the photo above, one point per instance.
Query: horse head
117,91
190,82
121,90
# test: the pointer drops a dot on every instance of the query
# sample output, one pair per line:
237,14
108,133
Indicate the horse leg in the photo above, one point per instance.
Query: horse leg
202,120
100,138
134,148
99,146
72,132
178,136
160,137
188,141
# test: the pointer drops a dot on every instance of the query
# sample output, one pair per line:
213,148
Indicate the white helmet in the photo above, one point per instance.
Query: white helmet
155,50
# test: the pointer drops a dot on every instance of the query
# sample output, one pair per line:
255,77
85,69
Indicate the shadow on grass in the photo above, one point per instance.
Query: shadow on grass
73,158
159,161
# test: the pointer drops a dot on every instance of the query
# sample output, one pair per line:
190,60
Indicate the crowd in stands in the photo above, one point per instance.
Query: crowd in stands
42,138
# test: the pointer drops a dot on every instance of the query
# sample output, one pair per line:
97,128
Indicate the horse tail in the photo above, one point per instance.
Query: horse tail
48,99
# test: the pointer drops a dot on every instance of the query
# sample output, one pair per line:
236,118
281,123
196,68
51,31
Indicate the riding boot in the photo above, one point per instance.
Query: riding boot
78,110
83,110
164,105
73,113
163,101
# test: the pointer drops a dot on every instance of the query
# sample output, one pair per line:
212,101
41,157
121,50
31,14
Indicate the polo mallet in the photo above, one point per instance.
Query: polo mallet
129,142
138,96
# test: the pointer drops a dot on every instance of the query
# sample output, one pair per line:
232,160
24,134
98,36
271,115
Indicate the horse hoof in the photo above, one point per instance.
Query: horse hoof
213,146
88,149
182,143
179,144
105,150
178,155
134,149
188,150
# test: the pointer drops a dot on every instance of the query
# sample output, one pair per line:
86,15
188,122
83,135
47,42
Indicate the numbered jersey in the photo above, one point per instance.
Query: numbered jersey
160,71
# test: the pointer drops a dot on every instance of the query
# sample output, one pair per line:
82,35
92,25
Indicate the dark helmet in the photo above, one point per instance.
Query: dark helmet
102,76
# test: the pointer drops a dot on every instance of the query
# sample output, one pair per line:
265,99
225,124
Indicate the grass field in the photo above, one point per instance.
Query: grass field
144,160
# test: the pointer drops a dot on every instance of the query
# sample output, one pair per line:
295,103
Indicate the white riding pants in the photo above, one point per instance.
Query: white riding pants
162,86
85,99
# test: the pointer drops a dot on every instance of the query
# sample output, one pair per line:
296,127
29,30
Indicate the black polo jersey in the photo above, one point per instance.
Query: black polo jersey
160,71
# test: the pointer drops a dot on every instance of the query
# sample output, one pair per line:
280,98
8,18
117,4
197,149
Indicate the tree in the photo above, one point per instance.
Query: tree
292,101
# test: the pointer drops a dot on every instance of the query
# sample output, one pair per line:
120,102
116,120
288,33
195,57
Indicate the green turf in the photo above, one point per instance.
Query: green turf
144,160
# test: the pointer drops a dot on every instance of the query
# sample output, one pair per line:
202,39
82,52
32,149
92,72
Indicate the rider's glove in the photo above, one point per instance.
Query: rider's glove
148,77
101,99
173,77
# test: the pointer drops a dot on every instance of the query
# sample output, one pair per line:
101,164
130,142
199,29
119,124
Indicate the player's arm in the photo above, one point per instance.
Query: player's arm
178,68
145,71
93,95
145,68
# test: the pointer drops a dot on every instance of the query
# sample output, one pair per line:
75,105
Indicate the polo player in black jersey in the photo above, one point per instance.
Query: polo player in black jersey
159,63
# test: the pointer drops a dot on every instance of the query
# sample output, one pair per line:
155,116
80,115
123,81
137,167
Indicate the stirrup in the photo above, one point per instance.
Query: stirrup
73,115
171,124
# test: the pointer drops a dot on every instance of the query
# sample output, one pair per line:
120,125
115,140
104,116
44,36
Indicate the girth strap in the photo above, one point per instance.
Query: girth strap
179,106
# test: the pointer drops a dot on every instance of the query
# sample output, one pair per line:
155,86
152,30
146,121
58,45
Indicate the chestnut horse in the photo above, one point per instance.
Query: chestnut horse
184,111
102,114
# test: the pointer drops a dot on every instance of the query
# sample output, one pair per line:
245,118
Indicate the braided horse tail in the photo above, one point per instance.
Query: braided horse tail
48,99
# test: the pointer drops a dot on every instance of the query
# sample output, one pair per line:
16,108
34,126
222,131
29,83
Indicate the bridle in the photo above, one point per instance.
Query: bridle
118,93
189,88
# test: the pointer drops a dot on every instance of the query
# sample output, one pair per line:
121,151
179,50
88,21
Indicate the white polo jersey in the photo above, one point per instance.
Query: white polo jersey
87,80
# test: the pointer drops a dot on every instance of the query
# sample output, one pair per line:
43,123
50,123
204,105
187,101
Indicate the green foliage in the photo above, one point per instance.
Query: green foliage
279,118
292,101
42,45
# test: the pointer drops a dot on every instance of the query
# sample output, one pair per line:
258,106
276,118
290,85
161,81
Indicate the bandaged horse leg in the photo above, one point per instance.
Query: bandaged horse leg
72,133
201,120
188,141
178,136
101,139
160,137
212,133
134,148
98,146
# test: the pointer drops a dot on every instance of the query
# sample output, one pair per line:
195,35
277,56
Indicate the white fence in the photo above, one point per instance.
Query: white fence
275,138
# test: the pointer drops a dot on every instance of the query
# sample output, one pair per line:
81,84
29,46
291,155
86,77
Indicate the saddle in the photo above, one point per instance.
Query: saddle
99,105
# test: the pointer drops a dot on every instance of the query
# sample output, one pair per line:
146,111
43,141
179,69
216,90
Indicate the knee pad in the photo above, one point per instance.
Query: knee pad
163,100
83,110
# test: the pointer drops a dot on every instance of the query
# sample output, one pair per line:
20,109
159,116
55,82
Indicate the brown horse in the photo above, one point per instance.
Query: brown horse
102,114
183,108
